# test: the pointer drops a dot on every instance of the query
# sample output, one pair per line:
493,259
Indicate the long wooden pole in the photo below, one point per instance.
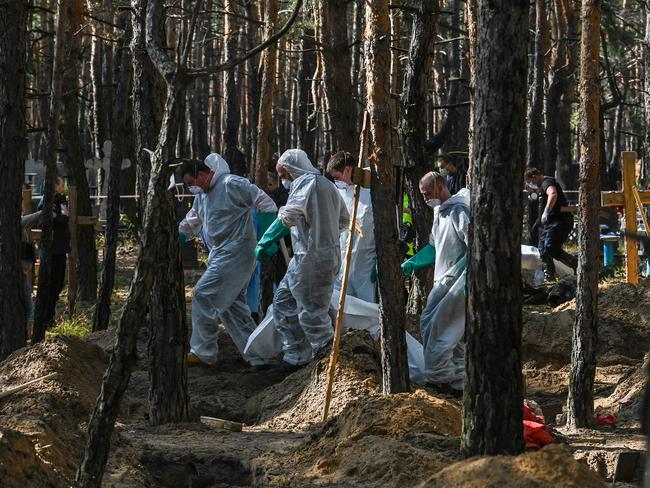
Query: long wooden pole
629,184
334,356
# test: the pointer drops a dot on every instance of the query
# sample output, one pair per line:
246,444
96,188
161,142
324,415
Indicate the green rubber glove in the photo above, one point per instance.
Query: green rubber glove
267,247
373,273
426,257
182,238
264,221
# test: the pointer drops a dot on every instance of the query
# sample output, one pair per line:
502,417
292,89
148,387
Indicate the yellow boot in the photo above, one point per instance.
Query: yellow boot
193,359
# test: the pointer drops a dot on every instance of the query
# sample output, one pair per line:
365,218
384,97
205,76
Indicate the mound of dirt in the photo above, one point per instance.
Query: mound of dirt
397,440
551,467
20,465
297,402
626,402
52,413
623,327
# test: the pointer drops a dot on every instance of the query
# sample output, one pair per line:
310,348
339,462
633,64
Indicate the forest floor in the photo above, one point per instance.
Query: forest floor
410,439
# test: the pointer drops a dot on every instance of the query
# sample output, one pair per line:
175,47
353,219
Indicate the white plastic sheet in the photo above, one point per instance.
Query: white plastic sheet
265,341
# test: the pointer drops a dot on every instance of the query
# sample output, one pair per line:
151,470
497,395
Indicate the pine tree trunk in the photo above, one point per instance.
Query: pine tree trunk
583,355
335,58
492,416
306,65
52,143
13,18
412,135
561,95
158,270
391,298
264,134
645,49
231,101
86,265
102,312
147,103
535,151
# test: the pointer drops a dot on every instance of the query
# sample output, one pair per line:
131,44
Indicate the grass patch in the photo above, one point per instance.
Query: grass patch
79,325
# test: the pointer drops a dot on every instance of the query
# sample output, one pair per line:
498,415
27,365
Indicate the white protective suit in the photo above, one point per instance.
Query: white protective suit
315,214
364,253
224,214
443,319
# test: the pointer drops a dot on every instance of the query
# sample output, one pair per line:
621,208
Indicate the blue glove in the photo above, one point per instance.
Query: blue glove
266,247
426,257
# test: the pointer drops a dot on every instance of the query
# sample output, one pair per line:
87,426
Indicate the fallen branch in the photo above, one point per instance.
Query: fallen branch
16,389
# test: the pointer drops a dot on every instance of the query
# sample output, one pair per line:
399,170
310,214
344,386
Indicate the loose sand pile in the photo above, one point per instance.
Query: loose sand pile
552,467
297,402
623,328
51,414
398,440
626,402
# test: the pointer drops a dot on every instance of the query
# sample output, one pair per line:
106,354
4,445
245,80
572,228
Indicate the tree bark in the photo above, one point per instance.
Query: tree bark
583,355
535,150
305,67
147,103
231,115
391,298
13,25
52,140
492,399
645,49
102,312
337,85
561,94
412,135
85,266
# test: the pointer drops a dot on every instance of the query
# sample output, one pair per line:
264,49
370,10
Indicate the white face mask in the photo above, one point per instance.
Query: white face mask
286,184
341,185
532,186
195,190
433,202
444,173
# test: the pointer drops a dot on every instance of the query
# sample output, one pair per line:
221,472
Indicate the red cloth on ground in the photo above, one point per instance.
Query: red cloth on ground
536,432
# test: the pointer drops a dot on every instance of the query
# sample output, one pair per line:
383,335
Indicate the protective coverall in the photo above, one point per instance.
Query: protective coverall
315,214
224,214
443,319
361,279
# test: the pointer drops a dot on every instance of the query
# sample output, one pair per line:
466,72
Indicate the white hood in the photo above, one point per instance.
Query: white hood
297,163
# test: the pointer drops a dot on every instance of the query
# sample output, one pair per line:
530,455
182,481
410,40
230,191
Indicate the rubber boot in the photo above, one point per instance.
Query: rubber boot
549,269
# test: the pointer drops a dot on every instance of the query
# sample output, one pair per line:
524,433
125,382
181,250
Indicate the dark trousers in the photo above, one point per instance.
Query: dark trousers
553,236
57,280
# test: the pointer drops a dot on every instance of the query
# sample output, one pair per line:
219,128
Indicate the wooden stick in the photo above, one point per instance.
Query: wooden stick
16,389
641,210
344,282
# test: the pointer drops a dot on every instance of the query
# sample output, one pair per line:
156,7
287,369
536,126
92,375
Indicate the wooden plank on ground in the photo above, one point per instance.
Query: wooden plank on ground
221,424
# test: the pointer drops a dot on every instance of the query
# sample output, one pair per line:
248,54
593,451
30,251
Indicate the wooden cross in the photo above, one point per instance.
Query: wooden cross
73,221
630,198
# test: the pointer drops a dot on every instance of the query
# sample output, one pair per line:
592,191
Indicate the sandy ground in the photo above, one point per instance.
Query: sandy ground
369,440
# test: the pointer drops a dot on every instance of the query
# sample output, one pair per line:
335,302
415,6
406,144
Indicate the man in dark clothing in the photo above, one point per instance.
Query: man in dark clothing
556,224
455,176
60,248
